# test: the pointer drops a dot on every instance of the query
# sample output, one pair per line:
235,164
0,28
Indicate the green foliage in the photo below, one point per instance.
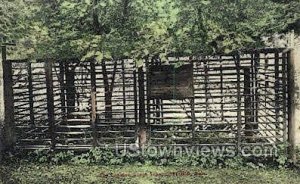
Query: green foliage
282,155
98,156
49,156
140,28
107,157
102,165
12,20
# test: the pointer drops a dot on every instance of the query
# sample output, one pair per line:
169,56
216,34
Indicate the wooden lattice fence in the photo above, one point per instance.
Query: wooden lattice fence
238,99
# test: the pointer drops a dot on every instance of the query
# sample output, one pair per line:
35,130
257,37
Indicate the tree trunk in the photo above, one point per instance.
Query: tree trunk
108,90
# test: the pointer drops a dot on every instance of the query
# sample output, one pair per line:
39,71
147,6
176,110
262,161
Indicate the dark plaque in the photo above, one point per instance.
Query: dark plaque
170,82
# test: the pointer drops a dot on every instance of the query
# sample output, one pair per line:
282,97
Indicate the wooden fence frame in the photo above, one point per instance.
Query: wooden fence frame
9,125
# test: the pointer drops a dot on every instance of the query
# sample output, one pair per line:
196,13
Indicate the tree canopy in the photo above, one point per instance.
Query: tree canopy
140,28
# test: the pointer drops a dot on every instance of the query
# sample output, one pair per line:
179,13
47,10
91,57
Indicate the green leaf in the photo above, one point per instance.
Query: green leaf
205,2
139,63
99,56
102,3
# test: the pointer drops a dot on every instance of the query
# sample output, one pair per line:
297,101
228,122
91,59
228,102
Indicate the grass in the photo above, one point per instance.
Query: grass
33,173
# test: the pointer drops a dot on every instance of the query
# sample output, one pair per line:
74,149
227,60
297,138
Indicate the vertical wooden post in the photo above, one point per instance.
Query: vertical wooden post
266,78
70,88
108,89
206,81
2,108
256,86
285,91
276,90
135,93
124,91
193,115
162,111
147,92
252,88
93,103
157,110
249,117
222,90
50,100
9,134
62,87
30,90
294,101
239,112
161,105
142,133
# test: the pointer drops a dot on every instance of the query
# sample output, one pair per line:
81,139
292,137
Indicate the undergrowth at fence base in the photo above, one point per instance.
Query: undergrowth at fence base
108,157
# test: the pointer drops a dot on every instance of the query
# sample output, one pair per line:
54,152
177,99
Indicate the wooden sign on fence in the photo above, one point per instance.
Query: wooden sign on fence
170,82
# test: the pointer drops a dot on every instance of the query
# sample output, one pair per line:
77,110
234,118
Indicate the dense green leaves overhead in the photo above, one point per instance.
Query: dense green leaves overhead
12,19
139,28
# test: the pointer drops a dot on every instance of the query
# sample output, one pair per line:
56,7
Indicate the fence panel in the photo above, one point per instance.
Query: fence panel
236,100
